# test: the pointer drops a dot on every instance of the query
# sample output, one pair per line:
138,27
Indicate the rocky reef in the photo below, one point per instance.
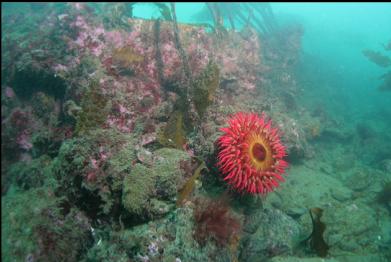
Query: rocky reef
109,129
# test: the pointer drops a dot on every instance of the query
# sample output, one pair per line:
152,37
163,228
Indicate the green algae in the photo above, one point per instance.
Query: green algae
30,175
137,188
33,226
73,164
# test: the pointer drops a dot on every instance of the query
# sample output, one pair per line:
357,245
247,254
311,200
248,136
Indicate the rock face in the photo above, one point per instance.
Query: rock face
351,227
34,228
269,232
151,191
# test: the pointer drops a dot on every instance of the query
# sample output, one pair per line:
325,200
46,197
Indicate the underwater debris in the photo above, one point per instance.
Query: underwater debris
377,58
316,240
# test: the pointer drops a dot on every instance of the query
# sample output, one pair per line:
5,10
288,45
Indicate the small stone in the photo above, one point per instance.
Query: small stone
361,181
340,194
272,233
296,211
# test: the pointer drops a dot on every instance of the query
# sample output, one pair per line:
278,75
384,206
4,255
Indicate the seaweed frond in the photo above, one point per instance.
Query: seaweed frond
173,135
186,190
384,196
316,240
205,87
94,111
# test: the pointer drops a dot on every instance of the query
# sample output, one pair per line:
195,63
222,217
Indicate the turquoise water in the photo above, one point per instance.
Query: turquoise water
112,147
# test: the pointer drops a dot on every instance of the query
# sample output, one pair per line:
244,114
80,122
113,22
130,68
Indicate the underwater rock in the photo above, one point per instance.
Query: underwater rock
271,233
334,134
43,81
342,164
301,177
215,222
144,156
361,178
184,246
118,80
294,139
93,167
44,106
137,188
151,191
386,165
296,211
202,144
168,171
275,201
31,174
35,228
346,258
364,131
71,109
350,227
168,239
341,194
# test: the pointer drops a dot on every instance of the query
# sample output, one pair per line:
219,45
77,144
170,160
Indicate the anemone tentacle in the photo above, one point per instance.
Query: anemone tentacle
251,154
